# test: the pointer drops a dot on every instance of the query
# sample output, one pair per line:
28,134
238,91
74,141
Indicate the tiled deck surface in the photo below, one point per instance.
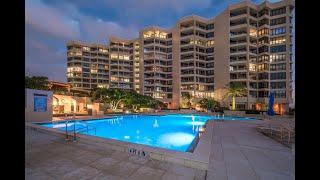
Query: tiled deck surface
50,157
238,152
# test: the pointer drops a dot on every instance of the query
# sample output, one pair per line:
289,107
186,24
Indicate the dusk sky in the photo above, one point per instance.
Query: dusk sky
49,24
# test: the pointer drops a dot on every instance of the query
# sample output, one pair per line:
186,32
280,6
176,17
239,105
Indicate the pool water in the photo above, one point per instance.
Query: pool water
174,131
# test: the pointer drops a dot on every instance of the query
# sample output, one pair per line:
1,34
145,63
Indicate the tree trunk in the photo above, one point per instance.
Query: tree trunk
233,103
116,106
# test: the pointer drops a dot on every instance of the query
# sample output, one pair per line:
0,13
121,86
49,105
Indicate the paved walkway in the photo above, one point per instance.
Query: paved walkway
239,152
50,157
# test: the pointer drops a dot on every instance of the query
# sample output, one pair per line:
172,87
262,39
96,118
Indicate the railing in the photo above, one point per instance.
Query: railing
86,128
285,134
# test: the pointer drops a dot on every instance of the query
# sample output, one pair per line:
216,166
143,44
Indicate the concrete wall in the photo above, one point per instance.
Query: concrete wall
30,114
221,48
176,68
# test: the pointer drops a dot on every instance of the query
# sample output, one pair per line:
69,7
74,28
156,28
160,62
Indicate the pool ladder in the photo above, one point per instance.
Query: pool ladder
86,127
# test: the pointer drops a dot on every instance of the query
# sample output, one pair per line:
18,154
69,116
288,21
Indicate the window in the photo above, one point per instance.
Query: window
253,94
280,30
277,21
263,49
263,31
210,43
278,67
263,22
74,69
263,85
278,11
263,67
114,56
262,94
280,75
277,57
263,58
263,40
210,35
113,79
103,50
263,12
209,50
253,32
275,49
263,76
280,94
252,67
278,40
86,48
253,85
210,26
278,85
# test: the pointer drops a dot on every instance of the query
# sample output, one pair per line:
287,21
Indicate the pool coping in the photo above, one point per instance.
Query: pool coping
198,159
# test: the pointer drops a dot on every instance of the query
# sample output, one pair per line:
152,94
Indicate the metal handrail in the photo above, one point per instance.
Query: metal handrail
78,130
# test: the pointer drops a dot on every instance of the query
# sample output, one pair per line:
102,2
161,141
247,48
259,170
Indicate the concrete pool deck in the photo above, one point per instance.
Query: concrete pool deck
237,151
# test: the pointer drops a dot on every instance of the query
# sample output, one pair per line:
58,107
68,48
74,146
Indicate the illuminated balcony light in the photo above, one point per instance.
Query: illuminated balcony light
86,48
114,56
252,67
94,71
74,69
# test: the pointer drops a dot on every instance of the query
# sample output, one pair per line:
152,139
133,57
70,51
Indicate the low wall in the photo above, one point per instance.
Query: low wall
234,113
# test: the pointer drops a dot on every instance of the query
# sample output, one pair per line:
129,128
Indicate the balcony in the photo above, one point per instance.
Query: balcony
238,34
235,17
238,51
238,12
238,23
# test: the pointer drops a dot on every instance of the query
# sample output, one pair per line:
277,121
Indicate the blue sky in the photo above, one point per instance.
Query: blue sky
49,24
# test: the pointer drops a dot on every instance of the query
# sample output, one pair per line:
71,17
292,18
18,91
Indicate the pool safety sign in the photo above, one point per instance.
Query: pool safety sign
40,103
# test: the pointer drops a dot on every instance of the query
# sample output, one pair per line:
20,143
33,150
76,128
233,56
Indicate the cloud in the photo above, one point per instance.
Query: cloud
50,24
50,20
49,27
147,6
99,30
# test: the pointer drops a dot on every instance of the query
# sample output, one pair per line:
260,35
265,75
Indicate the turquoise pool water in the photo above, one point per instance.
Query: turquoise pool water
174,131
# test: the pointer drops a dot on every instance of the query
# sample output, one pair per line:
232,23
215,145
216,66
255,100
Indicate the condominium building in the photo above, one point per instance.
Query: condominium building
247,44
87,65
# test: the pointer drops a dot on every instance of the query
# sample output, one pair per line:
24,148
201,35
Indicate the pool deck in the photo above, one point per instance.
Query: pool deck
237,151
51,157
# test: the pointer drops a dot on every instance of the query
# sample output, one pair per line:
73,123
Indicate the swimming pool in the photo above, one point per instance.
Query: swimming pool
172,131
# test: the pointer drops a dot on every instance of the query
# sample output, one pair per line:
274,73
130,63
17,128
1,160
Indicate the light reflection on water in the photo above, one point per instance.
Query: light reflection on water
175,139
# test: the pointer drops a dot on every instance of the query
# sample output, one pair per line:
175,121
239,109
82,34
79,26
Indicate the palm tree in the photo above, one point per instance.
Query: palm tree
235,90
209,104
187,97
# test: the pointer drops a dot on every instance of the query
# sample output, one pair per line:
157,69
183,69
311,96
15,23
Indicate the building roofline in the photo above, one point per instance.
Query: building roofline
83,43
119,39
156,28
